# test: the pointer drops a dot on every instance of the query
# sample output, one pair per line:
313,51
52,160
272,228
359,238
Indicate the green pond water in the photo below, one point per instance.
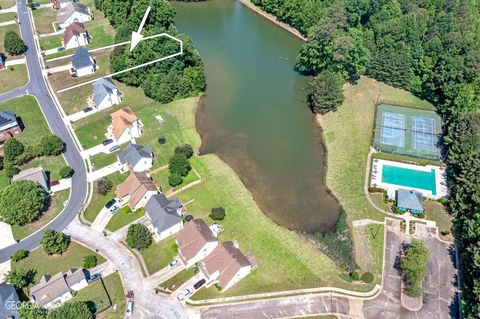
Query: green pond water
254,115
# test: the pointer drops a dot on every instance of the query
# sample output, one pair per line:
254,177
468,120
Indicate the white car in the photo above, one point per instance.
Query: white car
185,294
173,263
114,209
129,310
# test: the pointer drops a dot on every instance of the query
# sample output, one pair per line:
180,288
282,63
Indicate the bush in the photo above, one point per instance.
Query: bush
185,149
138,236
12,148
66,171
11,170
13,43
179,164
104,185
51,145
1,163
29,153
355,275
19,255
20,277
90,261
217,213
175,179
54,242
21,202
367,277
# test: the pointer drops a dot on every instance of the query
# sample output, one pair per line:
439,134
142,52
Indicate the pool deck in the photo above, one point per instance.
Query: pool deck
440,178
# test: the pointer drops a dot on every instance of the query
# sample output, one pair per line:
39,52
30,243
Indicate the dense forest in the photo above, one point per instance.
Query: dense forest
431,48
164,81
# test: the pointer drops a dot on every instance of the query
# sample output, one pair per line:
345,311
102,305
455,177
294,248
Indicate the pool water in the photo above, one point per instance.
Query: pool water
409,178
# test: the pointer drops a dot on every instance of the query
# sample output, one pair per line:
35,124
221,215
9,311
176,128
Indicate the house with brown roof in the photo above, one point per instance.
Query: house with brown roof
195,242
136,190
54,290
125,126
75,36
34,174
227,265
9,126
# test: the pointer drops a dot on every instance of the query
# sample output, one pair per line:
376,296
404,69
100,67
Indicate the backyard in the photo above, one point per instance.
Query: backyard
159,255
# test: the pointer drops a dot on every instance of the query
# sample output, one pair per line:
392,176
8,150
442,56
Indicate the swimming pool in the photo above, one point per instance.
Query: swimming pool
409,178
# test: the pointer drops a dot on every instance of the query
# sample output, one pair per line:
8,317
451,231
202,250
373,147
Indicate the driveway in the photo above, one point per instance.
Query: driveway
104,171
102,219
6,239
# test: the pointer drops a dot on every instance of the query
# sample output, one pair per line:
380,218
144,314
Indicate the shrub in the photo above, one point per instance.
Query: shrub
19,255
11,170
104,185
54,242
179,164
413,266
175,179
12,148
1,163
217,213
355,275
367,277
90,261
13,43
138,236
20,277
21,202
29,153
51,145
66,171
185,149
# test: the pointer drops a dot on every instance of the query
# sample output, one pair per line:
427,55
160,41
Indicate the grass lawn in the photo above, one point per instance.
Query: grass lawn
75,100
9,16
43,18
159,255
51,42
44,264
56,206
377,198
3,31
5,4
124,217
104,294
13,77
98,201
179,279
101,160
161,178
437,212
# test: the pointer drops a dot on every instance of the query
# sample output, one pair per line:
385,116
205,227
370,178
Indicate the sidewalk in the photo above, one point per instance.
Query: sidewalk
15,62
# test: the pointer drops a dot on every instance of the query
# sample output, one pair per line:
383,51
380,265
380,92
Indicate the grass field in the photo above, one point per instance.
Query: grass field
124,217
437,212
56,206
9,16
159,255
5,4
98,201
44,264
51,42
43,18
101,160
161,178
180,278
105,293
13,77
3,31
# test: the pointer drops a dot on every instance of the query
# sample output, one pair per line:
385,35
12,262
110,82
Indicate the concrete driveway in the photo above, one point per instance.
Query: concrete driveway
102,219
6,239
102,172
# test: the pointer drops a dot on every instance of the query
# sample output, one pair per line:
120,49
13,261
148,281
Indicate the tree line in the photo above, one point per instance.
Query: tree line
163,81
430,48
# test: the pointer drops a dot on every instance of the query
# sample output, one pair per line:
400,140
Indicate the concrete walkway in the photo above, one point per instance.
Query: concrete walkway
7,10
102,172
2,24
57,69
6,238
15,62
80,115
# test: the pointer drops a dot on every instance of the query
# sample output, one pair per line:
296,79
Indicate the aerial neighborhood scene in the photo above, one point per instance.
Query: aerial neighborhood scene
239,159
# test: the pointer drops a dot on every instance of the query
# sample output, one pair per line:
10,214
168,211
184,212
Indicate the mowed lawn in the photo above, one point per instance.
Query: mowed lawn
3,31
43,18
159,255
13,77
51,42
9,16
123,217
5,4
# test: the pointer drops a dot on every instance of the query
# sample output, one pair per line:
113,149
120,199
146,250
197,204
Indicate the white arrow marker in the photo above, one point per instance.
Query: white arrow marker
137,36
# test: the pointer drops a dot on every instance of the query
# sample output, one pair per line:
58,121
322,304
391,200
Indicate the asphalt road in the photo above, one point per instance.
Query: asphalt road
38,88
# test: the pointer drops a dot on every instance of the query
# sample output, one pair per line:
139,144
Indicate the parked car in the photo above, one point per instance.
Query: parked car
106,142
94,278
110,203
114,209
87,109
173,263
54,183
188,218
114,148
162,140
199,283
60,49
129,309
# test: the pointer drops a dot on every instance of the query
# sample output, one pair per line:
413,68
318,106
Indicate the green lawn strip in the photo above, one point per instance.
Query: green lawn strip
123,217
377,198
375,239
56,206
437,212
159,255
98,201
161,178
43,18
9,16
44,264
104,294
101,160
179,279
54,41
13,77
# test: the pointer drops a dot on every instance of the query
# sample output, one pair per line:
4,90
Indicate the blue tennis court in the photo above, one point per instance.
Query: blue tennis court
393,129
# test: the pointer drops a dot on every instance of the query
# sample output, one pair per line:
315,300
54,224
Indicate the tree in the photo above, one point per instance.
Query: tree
21,202
19,255
66,171
185,149
29,310
1,163
179,164
19,277
138,236
175,179
51,145
71,310
54,242
414,267
13,43
12,148
325,93
89,261
11,170
217,213
104,185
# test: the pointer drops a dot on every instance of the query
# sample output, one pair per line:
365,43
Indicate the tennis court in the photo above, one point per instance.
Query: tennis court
408,131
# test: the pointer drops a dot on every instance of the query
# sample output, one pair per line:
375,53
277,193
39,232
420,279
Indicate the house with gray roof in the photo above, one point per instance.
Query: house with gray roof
166,216
136,158
9,126
105,93
73,12
8,301
34,174
409,200
82,63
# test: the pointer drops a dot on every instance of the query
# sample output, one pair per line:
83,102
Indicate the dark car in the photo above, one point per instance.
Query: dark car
110,203
199,283
60,49
87,109
188,218
106,142
114,148
162,140
54,183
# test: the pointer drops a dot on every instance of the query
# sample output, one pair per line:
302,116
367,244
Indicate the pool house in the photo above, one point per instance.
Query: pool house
409,200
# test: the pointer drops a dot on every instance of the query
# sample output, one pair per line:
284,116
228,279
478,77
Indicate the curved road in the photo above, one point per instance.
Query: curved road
38,88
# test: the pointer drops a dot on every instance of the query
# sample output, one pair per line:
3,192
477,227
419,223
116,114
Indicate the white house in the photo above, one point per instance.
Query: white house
125,126
136,190
195,242
105,93
75,36
52,291
82,63
73,12
227,265
136,158
166,216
